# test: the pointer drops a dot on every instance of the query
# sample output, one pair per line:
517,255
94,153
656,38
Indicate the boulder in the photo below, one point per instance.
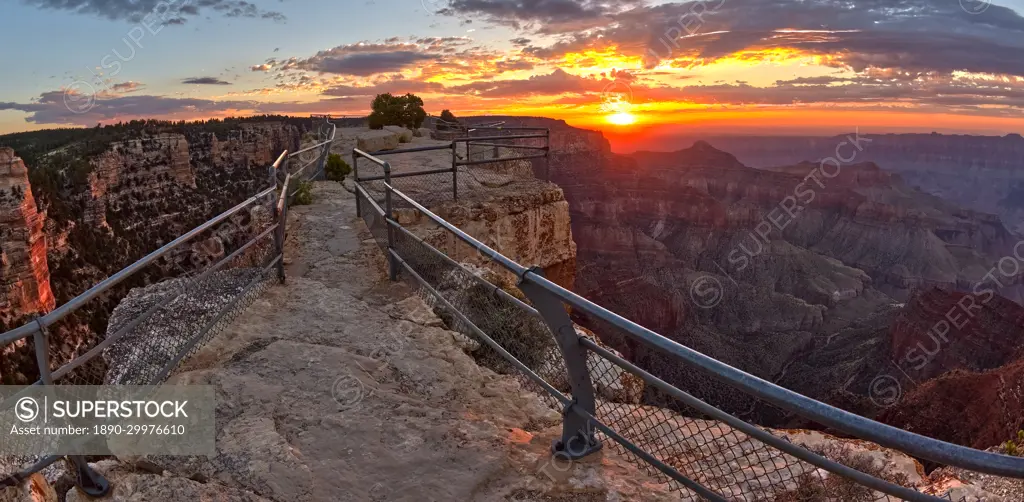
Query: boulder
422,132
404,135
375,141
33,489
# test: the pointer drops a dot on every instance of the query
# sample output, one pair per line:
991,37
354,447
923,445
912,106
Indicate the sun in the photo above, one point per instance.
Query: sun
621,118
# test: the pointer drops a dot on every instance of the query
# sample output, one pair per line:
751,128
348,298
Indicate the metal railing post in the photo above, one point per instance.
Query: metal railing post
389,210
41,338
279,236
578,439
279,214
547,154
355,177
89,481
455,169
320,174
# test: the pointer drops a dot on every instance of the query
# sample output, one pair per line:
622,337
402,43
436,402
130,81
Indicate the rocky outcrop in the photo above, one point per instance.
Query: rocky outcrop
404,135
337,386
528,223
148,182
375,141
136,169
942,330
24,270
973,408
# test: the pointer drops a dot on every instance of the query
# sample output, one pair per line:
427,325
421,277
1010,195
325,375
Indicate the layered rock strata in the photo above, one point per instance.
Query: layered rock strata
24,272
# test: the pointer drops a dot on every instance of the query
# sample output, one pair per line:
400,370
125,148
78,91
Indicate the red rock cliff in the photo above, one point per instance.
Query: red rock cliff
24,274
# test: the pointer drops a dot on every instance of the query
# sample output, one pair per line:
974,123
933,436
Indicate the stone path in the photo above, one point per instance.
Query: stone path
342,386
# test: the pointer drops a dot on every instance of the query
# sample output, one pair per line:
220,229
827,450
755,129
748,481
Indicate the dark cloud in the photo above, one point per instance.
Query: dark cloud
394,86
53,108
205,81
156,11
370,63
911,35
542,16
554,83
365,59
513,65
125,87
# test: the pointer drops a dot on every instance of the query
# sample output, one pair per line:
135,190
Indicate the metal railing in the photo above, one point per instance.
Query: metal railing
693,444
490,145
133,351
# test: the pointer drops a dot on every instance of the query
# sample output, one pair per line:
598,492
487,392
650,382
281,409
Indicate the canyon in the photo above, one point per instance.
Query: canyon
829,280
79,205
983,173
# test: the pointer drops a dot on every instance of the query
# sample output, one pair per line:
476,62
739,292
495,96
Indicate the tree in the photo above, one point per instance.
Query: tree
448,119
404,111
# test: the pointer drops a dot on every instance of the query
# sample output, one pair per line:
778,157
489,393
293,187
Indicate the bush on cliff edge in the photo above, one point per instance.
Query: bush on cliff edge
304,195
337,169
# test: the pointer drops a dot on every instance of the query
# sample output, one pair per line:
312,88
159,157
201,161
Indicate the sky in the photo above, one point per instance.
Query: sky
628,67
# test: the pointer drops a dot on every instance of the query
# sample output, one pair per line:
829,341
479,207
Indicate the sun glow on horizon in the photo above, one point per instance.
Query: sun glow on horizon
621,118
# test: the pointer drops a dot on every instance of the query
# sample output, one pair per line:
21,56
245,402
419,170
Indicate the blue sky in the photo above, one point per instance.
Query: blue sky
71,43
748,64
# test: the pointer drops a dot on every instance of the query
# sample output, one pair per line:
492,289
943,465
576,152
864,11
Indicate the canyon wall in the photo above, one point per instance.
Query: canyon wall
984,173
819,281
24,273
114,201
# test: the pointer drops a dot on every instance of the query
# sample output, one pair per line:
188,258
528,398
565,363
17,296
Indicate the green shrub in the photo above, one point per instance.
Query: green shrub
406,111
376,121
1015,448
304,195
337,168
1011,448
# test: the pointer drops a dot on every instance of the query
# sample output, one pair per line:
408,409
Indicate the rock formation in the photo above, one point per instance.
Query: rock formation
973,408
983,173
405,135
138,168
375,141
24,272
527,222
